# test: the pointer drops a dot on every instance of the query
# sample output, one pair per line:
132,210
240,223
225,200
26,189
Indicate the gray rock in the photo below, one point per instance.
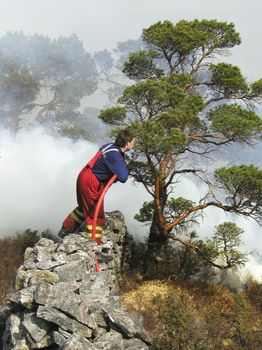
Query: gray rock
97,314
5,312
96,284
129,324
59,339
68,302
29,259
38,330
69,286
107,266
42,254
110,340
99,332
81,256
60,257
42,293
21,279
30,265
14,337
48,244
107,247
64,333
135,344
36,327
45,342
72,243
73,271
47,265
78,342
59,318
115,222
24,297
28,278
29,254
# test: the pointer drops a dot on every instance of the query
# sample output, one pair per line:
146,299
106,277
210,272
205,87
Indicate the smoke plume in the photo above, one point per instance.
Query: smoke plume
37,185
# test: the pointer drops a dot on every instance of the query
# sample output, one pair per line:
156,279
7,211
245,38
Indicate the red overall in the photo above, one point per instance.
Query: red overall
88,189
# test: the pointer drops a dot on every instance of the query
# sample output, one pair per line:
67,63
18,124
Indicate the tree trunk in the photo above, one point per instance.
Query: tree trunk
14,123
155,234
156,239
154,251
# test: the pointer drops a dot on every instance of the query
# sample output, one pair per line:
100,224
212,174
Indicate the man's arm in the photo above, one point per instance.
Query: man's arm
117,165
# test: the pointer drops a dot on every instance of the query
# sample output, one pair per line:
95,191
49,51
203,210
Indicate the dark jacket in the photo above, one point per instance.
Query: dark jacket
111,162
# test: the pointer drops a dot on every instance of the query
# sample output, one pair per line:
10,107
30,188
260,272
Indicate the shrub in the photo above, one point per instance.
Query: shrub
230,322
11,251
172,312
11,258
253,290
191,317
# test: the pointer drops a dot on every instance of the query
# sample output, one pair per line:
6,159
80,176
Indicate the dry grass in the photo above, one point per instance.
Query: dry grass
11,258
189,317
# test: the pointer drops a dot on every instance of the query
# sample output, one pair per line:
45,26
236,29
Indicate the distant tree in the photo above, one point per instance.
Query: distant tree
225,245
112,81
25,239
183,108
18,88
43,77
49,235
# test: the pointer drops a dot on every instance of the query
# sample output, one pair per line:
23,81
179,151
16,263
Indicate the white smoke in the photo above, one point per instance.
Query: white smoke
37,185
36,179
37,182
251,237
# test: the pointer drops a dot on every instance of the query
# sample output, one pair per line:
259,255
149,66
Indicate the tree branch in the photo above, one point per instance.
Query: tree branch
199,251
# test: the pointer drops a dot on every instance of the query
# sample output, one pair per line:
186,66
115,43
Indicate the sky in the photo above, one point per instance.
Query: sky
102,24
38,172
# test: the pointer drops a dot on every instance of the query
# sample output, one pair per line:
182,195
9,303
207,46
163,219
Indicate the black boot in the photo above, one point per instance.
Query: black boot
63,233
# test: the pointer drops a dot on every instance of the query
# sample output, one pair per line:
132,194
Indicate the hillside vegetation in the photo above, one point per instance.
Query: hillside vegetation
195,316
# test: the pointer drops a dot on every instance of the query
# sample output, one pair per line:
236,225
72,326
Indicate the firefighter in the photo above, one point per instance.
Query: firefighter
92,179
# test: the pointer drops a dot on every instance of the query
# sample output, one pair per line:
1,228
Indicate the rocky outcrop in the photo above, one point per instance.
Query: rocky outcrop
61,302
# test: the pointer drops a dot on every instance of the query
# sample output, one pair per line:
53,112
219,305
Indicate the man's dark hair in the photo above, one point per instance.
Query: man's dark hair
124,137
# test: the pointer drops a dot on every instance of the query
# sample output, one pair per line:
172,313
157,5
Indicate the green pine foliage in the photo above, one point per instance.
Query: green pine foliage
184,108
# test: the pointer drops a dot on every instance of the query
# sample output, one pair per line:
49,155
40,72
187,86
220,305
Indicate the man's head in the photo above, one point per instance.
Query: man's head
125,140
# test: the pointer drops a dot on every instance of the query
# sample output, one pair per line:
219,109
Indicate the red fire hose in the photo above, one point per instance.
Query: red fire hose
100,201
